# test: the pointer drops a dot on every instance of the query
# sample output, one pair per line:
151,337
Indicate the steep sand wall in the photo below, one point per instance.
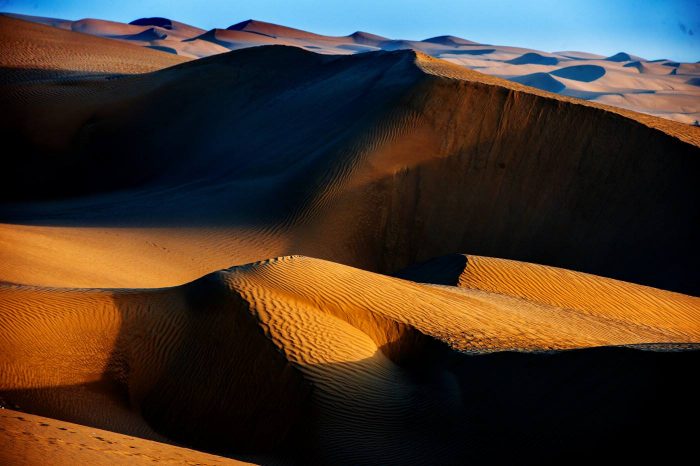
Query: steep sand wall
377,160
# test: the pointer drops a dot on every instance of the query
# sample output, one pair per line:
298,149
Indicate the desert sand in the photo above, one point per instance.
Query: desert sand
375,367
257,255
27,440
655,86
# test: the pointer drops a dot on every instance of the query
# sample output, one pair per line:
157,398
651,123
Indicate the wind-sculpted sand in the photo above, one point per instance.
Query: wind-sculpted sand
239,360
33,48
27,440
414,159
252,254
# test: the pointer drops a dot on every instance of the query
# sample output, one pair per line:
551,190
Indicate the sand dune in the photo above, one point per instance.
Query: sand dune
508,62
591,295
366,362
533,58
164,23
409,135
542,81
450,40
146,36
27,440
585,73
623,56
143,195
27,47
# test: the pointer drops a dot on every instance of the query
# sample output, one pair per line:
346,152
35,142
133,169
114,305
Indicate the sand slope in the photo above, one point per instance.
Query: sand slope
662,84
27,47
418,158
27,440
241,359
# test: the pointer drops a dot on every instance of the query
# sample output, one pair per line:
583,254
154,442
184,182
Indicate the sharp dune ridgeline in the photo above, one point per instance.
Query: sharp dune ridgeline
245,245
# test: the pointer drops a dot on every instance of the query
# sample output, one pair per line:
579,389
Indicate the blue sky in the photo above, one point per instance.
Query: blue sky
650,28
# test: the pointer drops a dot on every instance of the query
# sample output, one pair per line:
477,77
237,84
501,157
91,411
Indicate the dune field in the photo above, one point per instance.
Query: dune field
655,86
259,245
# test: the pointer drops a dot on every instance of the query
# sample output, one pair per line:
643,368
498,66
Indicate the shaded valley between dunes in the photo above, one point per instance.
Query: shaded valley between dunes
256,256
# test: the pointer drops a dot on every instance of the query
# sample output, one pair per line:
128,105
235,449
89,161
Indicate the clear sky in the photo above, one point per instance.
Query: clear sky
649,28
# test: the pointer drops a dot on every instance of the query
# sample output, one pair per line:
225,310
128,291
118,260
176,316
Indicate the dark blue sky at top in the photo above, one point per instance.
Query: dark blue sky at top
649,28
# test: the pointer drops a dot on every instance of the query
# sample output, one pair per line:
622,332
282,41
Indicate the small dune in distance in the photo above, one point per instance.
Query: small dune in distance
262,245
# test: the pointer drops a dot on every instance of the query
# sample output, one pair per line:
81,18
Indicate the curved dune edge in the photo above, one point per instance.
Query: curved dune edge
26,439
686,133
241,361
565,289
435,146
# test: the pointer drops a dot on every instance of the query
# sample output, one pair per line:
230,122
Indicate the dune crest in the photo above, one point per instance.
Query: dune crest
418,137
293,342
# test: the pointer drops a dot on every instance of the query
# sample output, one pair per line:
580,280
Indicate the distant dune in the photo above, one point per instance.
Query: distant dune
247,242
32,47
669,96
584,73
542,81
533,59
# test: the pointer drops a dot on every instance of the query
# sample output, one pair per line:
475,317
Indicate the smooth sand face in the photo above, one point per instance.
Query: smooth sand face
28,440
192,177
660,87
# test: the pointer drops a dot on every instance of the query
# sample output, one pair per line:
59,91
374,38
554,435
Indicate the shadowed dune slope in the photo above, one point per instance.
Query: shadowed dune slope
418,158
450,40
584,73
533,58
164,23
622,57
543,81
367,367
272,30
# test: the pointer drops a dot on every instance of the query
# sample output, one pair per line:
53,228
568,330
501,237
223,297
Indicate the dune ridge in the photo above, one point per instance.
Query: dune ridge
350,354
418,137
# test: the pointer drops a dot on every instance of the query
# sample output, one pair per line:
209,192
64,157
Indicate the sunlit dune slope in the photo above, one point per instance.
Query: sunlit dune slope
576,292
28,440
27,48
303,358
377,160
